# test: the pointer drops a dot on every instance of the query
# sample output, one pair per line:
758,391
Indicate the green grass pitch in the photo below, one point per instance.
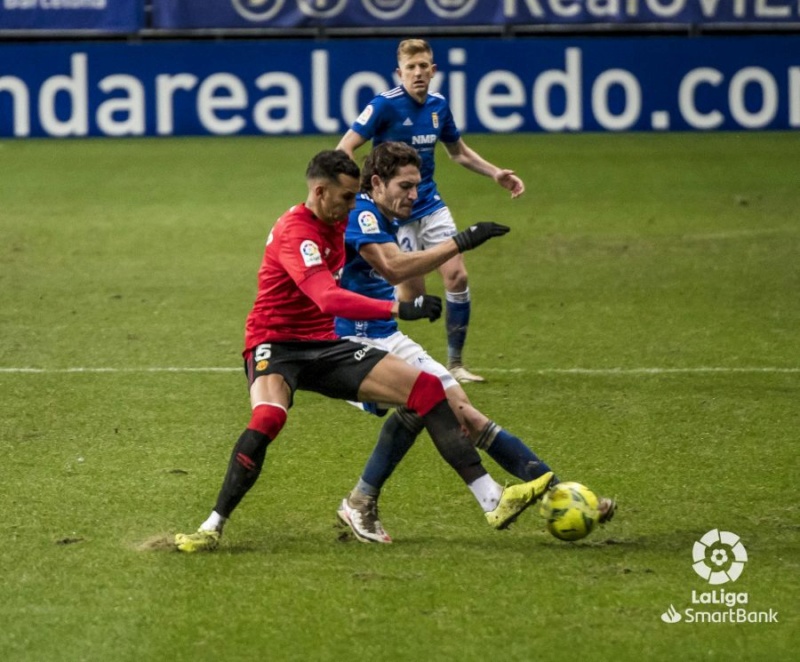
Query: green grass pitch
640,327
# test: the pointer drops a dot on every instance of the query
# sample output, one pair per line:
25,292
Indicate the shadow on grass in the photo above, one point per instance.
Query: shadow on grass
431,545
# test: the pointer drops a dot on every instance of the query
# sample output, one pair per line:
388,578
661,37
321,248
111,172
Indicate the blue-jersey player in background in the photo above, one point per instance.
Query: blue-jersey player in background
374,264
409,113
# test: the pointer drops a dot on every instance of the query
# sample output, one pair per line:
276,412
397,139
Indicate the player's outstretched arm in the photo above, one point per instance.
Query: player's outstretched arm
464,155
323,290
350,142
396,266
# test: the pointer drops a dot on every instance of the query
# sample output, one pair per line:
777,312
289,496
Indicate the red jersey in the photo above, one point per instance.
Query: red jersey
298,283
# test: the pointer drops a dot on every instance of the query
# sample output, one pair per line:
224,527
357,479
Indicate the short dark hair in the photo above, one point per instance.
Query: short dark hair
331,163
385,160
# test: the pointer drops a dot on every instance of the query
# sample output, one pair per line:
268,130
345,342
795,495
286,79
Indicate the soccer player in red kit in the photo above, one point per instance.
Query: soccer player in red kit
290,344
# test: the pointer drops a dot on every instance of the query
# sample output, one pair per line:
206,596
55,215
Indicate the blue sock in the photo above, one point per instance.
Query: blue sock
394,441
516,458
457,310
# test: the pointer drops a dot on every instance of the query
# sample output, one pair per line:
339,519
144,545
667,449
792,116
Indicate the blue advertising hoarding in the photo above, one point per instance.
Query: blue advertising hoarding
128,16
199,14
108,16
215,14
285,87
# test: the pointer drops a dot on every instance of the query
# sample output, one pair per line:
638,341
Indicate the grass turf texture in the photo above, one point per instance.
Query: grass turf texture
672,252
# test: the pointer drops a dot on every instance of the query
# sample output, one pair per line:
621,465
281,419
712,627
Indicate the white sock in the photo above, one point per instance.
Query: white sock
487,491
458,297
215,522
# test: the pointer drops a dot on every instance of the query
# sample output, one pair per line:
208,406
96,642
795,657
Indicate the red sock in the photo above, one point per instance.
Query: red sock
426,393
267,419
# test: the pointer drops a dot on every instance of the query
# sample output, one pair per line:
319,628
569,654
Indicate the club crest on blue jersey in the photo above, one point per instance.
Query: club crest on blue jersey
435,120
368,223
310,252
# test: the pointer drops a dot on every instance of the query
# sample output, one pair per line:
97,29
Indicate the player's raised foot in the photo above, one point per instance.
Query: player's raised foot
201,540
360,513
606,507
516,498
464,376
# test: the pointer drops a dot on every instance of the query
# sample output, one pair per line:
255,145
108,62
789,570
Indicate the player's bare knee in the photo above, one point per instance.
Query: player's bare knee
456,281
410,420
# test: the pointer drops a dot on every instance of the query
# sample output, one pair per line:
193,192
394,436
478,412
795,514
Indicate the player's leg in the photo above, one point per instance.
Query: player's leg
400,430
434,229
403,426
397,435
508,450
410,289
409,241
392,380
458,309
270,398
359,509
505,448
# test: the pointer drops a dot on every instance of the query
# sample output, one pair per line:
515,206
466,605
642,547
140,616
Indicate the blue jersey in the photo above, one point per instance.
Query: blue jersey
366,225
397,116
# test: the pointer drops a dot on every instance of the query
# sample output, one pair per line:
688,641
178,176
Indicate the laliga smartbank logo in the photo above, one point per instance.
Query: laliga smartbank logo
719,557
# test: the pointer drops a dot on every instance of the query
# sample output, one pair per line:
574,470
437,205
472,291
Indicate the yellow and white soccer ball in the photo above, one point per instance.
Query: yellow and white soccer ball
570,510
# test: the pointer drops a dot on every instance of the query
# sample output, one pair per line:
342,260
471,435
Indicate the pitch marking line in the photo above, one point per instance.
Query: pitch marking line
540,371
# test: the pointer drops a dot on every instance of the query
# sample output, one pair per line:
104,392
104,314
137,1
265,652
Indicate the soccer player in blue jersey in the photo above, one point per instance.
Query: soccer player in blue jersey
374,263
409,113
291,345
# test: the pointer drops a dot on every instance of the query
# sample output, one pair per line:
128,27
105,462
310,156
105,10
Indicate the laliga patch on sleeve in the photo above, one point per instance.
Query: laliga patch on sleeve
368,223
310,252
363,118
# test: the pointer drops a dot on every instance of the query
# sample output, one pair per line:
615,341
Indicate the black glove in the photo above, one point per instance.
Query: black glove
426,305
476,234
